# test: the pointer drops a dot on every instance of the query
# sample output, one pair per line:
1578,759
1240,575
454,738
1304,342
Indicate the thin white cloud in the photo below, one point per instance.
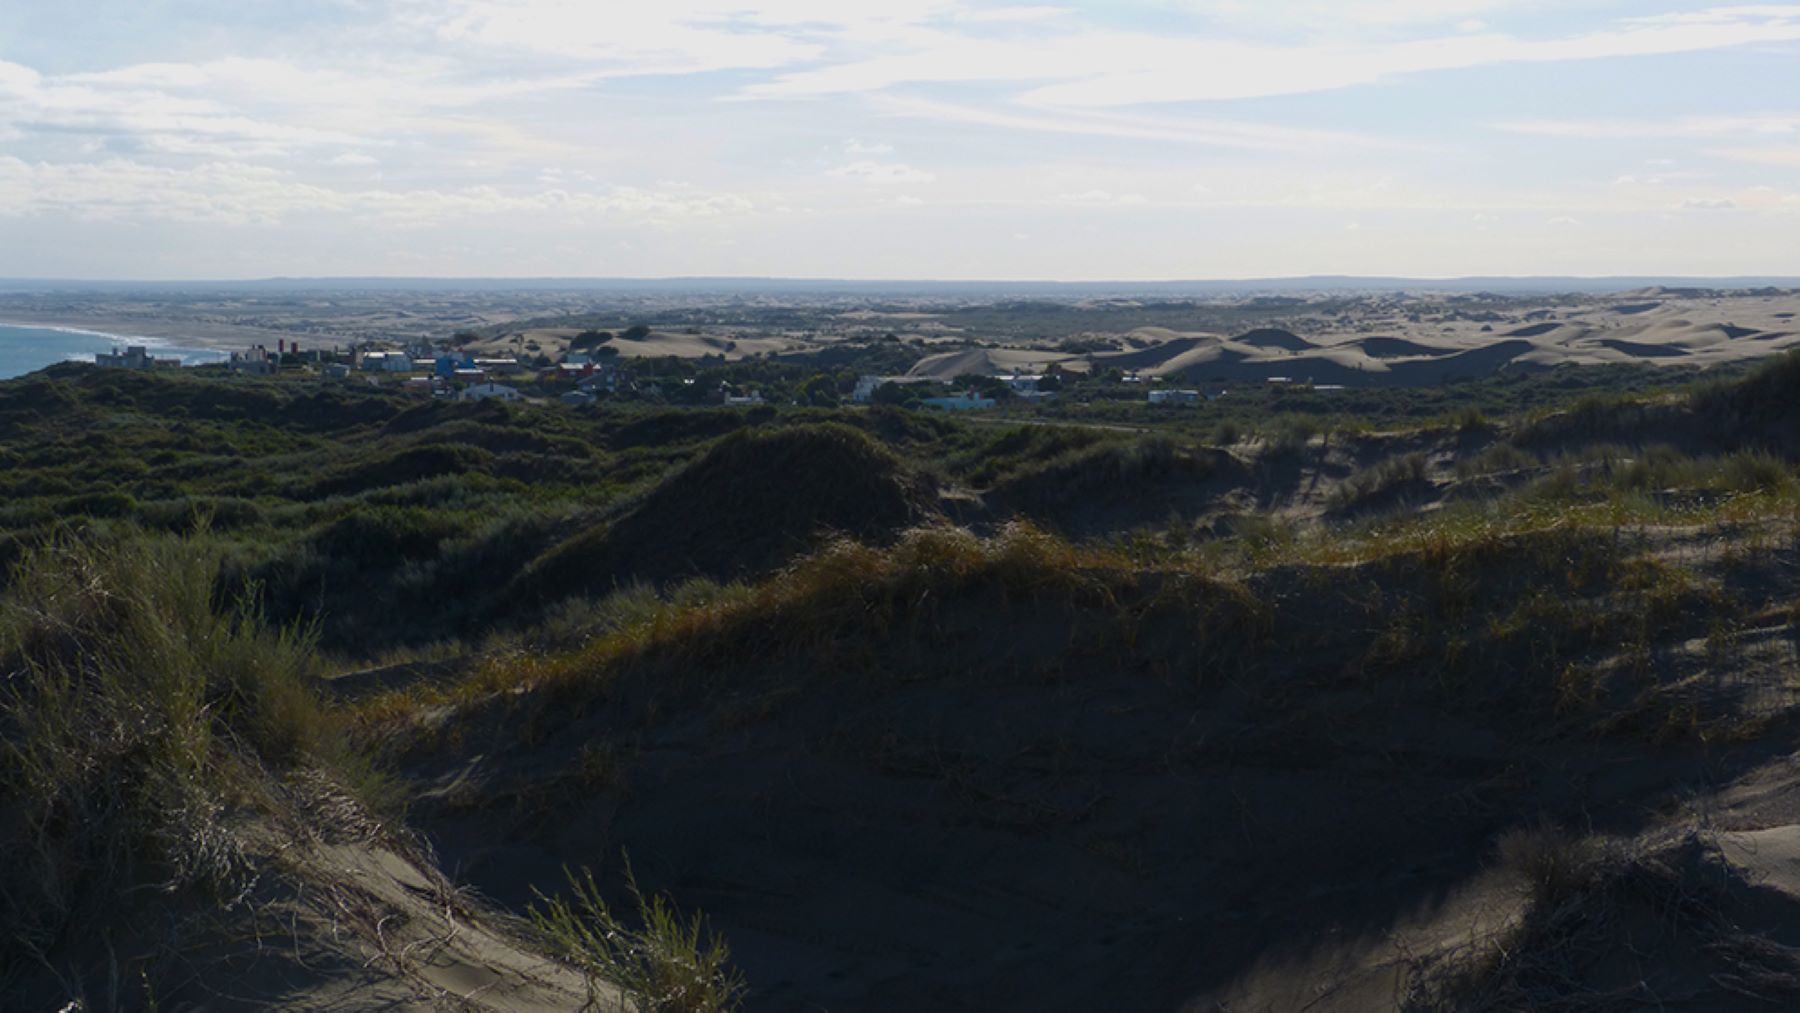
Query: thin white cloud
239,194
1763,124
132,107
1202,131
1095,69
882,173
1103,197
1780,157
1263,13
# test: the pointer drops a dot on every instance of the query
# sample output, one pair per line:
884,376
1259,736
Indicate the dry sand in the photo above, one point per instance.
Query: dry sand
1641,330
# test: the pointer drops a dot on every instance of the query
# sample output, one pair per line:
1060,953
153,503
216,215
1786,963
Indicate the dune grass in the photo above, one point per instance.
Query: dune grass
138,718
664,963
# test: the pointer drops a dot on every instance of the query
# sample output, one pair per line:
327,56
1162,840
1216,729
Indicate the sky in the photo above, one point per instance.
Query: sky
945,139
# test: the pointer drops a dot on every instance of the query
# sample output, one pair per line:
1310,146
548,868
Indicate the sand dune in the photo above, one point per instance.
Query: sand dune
1274,337
1396,348
986,362
1643,350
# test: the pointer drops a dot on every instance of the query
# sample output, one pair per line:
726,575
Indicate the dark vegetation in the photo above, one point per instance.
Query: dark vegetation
1158,703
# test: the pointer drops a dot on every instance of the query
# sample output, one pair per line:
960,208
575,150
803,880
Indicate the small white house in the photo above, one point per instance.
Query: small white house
1175,397
483,391
254,360
387,362
866,386
134,357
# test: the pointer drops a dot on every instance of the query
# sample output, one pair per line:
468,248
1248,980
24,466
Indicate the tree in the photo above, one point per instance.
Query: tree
891,393
636,332
820,390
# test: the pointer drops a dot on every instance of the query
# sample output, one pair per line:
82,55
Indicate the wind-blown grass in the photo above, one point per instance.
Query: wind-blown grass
136,717
664,964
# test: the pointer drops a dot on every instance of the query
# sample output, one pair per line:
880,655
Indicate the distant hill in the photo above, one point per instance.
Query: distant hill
928,287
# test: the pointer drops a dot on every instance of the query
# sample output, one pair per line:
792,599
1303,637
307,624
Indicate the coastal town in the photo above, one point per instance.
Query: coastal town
445,370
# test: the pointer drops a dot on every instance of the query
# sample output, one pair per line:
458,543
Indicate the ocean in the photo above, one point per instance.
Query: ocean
24,349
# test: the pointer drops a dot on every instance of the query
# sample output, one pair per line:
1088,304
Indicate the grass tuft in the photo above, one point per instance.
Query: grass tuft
664,964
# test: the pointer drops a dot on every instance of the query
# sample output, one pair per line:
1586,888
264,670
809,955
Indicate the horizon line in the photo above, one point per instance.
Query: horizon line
820,279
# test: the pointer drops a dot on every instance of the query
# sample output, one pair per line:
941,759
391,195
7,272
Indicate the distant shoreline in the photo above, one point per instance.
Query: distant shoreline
28,347
150,333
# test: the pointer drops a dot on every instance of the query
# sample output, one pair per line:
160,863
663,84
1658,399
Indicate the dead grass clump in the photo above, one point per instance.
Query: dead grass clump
665,963
1606,925
1391,476
1499,459
1107,473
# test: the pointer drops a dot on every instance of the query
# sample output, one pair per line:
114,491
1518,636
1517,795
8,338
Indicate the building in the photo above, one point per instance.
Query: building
446,365
387,362
1174,397
485,391
335,370
744,399
498,367
133,357
255,361
577,398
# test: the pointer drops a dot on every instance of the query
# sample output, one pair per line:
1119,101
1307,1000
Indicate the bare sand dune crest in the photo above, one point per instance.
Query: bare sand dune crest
984,362
1171,356
1396,348
1275,337
1643,350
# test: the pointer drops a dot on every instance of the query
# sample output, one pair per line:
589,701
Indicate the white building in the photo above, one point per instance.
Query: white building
133,357
483,391
254,360
865,389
